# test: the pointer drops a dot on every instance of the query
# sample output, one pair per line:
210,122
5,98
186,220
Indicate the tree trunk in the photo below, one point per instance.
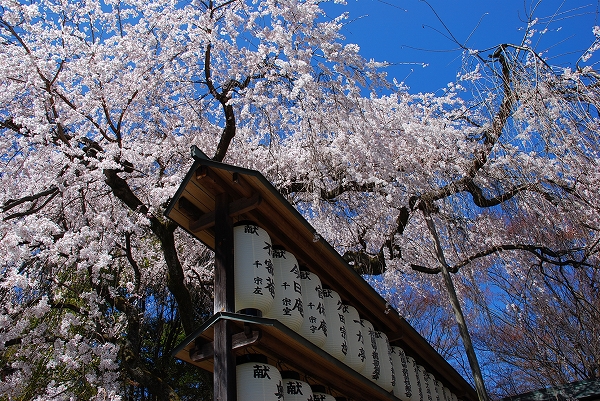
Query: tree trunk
460,319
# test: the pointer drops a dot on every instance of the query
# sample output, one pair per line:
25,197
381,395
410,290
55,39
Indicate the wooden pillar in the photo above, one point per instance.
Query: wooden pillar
224,368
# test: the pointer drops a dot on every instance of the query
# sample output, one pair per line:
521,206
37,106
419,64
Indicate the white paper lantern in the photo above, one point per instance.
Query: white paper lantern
355,358
295,389
314,324
287,306
440,390
387,377
336,344
447,394
417,394
253,268
427,396
431,382
256,380
372,369
402,388
320,394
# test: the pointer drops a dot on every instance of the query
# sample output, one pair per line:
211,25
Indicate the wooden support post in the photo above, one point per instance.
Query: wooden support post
224,368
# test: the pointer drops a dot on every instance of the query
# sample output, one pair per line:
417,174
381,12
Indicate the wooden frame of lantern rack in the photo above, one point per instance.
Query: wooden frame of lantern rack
212,197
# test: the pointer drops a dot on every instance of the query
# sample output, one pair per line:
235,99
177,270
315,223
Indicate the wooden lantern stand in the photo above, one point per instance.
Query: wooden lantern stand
211,198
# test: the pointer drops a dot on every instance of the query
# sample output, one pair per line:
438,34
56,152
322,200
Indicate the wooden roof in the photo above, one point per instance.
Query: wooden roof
255,199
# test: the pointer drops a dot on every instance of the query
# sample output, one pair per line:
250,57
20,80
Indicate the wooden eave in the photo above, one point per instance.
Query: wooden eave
253,198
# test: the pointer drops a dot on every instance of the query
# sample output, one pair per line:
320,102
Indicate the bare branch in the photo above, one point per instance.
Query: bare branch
542,253
10,203
34,208
164,232
426,270
132,262
364,263
11,125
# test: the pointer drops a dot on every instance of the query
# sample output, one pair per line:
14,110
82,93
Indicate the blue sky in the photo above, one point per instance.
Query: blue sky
408,33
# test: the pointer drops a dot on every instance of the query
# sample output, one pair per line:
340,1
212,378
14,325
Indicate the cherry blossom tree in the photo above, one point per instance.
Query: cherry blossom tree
449,182
101,101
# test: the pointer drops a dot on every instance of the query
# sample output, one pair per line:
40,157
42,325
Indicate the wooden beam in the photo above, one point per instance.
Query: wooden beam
242,185
244,205
224,380
203,179
350,383
224,289
238,341
237,207
202,223
188,208
209,178
395,336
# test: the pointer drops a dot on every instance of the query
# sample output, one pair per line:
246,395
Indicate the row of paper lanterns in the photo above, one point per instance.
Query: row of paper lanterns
270,280
258,380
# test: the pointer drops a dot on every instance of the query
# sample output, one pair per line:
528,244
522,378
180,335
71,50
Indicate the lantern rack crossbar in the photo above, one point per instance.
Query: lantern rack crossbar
282,346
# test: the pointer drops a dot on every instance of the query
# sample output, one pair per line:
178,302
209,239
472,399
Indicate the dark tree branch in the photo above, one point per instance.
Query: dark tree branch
351,186
132,262
491,136
34,208
109,119
223,98
123,192
164,232
427,270
10,124
331,194
86,116
228,133
364,263
66,305
542,253
120,122
10,203
13,341
481,201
